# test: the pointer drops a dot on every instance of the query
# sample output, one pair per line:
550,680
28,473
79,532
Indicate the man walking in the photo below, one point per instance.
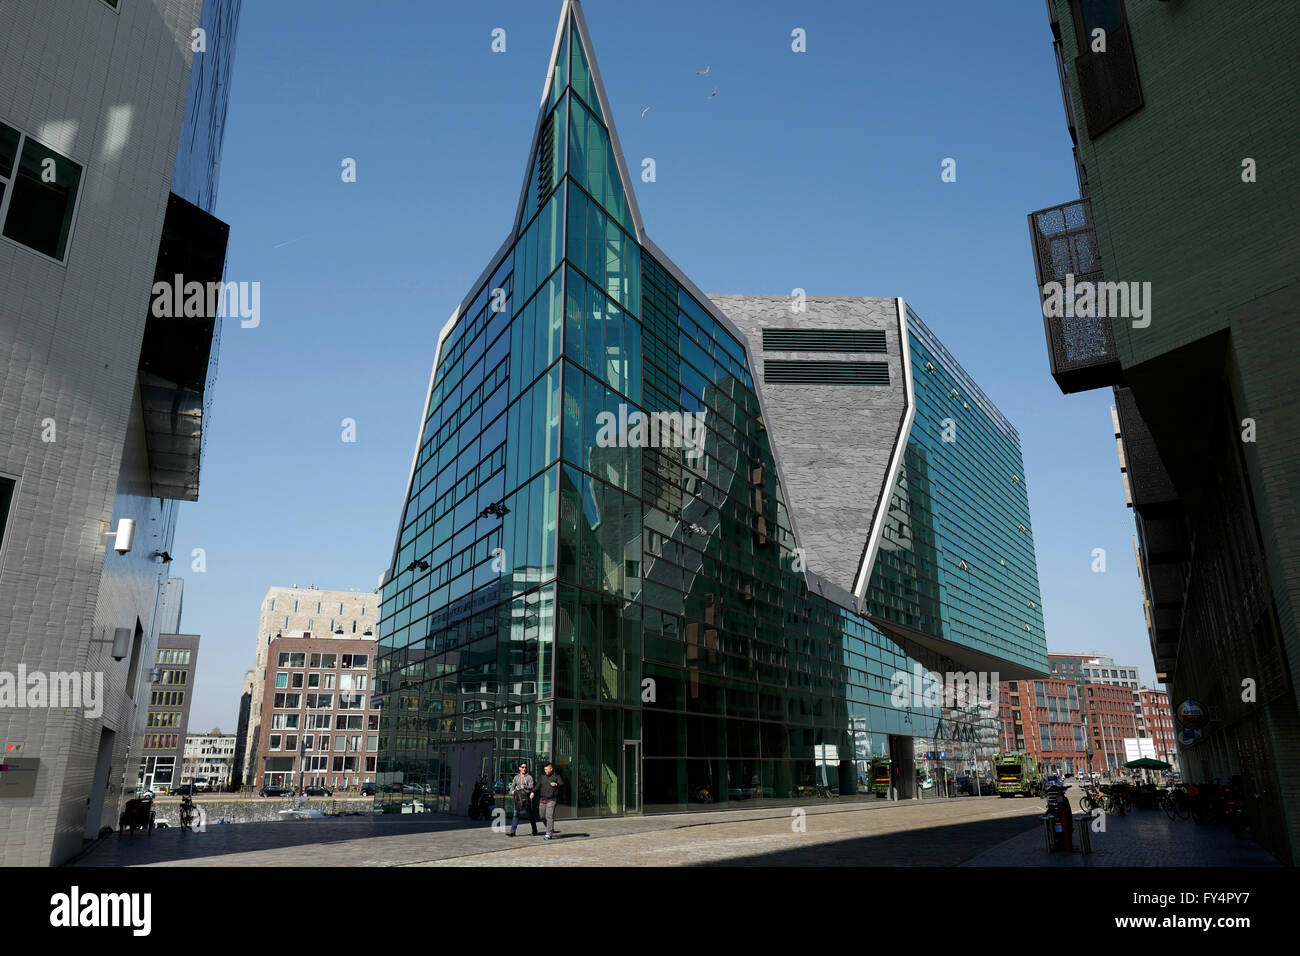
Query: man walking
522,789
548,789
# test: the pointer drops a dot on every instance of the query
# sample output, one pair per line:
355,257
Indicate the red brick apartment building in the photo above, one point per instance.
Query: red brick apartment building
1043,718
1156,720
1111,718
317,723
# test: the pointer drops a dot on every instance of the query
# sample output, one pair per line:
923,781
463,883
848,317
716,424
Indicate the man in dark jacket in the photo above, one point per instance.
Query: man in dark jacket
522,790
548,790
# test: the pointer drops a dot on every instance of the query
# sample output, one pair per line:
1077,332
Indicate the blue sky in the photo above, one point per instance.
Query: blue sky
817,170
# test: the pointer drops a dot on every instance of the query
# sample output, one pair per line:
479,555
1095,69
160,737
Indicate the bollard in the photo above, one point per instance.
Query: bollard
1048,820
1085,832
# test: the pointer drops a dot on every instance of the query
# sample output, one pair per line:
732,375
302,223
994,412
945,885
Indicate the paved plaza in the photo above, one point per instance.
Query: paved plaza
965,831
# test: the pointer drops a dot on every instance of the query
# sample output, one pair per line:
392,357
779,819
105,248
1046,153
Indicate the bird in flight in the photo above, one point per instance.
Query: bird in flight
703,72
714,93
644,111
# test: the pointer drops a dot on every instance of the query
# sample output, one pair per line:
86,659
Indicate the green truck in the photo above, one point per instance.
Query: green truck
879,776
1016,774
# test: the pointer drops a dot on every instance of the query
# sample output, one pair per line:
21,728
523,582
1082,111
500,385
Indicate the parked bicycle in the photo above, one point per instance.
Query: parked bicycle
187,813
1115,799
1174,803
1092,798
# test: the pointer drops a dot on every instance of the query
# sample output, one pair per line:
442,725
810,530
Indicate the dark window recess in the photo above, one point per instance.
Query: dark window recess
7,486
823,340
44,193
825,373
1109,87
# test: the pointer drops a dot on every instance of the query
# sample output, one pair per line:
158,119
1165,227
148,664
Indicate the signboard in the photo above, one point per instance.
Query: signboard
1192,714
1187,736
18,776
1136,748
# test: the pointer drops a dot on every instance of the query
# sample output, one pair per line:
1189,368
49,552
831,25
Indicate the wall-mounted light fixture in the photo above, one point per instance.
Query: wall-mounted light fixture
123,536
121,641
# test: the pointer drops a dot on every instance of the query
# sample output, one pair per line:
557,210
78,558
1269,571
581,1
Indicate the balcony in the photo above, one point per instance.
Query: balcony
1081,349
176,355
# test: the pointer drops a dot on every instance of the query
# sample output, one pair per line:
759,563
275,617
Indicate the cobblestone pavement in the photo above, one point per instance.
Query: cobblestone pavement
1138,838
939,832
973,831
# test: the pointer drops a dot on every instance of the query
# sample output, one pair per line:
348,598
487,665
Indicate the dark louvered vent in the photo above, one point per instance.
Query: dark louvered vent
825,373
545,159
823,340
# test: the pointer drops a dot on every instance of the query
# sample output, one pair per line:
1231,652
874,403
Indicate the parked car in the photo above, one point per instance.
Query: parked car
275,792
144,793
368,789
184,790
315,791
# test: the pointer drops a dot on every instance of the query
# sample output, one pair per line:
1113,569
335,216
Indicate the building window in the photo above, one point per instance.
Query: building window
1109,87
38,193
7,487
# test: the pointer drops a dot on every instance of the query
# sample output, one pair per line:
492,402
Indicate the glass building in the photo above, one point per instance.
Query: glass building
617,549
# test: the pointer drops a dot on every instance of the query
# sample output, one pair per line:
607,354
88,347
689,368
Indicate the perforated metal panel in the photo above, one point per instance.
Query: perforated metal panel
1081,348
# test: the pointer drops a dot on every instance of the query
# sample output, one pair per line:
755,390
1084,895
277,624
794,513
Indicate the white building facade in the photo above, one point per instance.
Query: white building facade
103,104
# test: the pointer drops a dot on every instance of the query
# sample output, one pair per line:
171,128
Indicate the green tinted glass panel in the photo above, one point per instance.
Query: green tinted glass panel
580,72
591,159
561,70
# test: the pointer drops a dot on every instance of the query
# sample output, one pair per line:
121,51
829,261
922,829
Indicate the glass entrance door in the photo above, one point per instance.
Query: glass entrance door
631,778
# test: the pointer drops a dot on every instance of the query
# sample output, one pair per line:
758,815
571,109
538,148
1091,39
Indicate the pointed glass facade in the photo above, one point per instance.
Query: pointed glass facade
634,609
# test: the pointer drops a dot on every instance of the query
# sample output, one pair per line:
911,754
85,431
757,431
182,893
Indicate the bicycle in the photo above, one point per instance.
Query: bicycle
187,813
1114,801
1171,802
1091,800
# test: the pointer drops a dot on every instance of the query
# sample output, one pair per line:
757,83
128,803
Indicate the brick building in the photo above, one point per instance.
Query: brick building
1043,718
317,723
1183,161
299,613
1112,717
1155,720
171,680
